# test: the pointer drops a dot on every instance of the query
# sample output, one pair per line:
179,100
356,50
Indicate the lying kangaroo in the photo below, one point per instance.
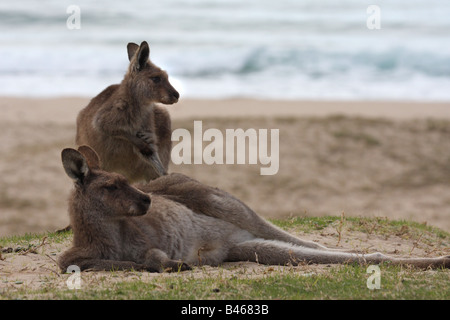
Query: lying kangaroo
125,126
187,223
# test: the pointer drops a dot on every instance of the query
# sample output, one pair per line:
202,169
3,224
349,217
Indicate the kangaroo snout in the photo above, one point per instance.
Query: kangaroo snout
171,97
176,94
141,206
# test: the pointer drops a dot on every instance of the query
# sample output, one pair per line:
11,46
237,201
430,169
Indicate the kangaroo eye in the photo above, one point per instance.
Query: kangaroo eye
156,79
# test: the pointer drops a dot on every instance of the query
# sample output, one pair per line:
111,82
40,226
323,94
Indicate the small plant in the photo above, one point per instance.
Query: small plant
340,227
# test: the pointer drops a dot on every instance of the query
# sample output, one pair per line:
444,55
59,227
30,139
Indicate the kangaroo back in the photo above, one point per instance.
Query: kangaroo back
219,204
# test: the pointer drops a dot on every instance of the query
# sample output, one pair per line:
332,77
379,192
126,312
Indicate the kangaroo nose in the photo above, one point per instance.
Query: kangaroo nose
147,201
176,94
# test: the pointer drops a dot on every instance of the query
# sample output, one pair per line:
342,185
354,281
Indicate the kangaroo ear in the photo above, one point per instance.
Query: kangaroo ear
74,164
131,48
142,55
91,157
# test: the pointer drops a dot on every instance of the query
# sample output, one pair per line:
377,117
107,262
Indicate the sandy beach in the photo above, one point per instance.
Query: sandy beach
388,159
64,110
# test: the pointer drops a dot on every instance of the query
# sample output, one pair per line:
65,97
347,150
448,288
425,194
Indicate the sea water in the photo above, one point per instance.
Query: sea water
265,49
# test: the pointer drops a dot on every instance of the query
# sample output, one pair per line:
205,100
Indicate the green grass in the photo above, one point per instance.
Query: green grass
32,239
339,282
270,282
380,226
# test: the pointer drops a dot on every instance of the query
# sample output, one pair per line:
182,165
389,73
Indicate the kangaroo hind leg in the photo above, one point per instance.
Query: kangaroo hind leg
280,253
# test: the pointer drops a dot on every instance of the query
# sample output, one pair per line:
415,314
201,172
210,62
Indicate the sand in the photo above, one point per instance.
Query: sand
375,159
65,110
36,270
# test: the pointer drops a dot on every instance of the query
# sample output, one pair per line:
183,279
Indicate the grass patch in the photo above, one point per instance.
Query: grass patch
305,224
33,239
243,282
379,225
338,282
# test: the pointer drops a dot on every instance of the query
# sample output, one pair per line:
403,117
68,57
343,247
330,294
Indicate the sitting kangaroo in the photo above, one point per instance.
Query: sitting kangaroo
124,125
175,222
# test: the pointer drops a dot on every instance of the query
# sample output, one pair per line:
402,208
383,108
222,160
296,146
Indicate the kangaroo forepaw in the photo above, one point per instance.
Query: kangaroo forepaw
155,162
147,136
150,151
148,147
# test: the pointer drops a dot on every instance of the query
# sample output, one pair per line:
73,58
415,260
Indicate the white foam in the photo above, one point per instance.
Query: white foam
268,49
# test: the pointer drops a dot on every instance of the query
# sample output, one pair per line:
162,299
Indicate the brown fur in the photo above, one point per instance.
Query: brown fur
124,125
187,223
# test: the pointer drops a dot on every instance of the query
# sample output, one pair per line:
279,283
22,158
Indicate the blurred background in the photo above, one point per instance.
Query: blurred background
286,49
304,61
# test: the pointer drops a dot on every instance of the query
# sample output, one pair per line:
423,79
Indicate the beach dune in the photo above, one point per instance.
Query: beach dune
386,159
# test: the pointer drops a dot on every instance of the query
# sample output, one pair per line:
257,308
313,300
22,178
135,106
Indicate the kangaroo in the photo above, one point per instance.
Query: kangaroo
175,222
124,125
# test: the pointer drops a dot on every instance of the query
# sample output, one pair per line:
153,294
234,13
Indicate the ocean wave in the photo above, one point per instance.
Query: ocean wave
284,49
314,63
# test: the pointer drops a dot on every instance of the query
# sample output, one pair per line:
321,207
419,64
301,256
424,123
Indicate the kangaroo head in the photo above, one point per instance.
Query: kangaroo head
147,81
105,194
